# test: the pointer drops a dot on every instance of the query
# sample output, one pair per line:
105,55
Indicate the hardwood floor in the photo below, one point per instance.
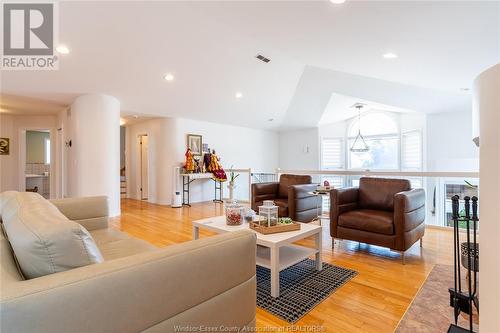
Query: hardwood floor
374,301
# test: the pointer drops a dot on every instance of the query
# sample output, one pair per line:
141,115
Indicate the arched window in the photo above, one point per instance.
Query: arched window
374,124
381,133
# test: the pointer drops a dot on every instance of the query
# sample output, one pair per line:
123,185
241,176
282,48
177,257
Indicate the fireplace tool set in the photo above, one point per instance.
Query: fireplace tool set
467,255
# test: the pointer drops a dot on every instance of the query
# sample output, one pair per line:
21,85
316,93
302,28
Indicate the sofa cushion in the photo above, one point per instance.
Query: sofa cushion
43,239
124,248
378,193
376,221
108,235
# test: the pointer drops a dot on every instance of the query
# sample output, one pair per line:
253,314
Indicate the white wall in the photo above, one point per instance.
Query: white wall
299,150
13,165
238,146
449,142
161,159
486,91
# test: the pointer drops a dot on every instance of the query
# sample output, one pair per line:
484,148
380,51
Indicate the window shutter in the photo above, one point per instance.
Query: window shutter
332,153
411,151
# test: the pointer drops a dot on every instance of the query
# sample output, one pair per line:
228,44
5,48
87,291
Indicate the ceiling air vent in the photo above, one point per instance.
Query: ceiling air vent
262,58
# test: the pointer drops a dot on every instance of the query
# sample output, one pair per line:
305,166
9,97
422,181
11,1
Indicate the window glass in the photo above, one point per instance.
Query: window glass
383,154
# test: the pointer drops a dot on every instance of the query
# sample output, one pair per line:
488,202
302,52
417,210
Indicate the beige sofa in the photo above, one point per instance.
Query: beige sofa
203,284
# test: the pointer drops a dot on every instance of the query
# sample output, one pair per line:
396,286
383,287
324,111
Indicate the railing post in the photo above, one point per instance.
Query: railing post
250,186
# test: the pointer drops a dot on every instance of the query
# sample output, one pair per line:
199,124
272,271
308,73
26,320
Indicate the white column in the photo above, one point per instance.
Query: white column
94,155
487,101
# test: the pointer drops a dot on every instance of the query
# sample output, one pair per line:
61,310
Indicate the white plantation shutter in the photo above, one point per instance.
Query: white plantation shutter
411,151
332,158
332,153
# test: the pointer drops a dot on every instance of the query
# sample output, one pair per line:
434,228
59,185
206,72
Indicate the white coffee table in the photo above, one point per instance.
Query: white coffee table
274,251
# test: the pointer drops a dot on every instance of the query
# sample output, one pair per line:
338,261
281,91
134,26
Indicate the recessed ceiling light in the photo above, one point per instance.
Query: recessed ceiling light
390,55
337,2
168,77
62,49
239,95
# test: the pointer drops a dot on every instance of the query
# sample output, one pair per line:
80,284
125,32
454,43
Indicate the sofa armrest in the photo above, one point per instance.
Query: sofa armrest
263,191
91,212
302,205
409,213
341,200
208,282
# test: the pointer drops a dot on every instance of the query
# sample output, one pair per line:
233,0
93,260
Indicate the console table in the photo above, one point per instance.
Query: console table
188,178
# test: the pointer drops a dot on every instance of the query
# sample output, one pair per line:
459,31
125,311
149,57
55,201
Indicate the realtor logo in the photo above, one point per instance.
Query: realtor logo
29,32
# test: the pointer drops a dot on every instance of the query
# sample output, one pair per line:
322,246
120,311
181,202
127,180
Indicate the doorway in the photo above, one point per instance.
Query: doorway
143,166
37,161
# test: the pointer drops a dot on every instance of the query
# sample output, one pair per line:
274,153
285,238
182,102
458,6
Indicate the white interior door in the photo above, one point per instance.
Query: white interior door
144,166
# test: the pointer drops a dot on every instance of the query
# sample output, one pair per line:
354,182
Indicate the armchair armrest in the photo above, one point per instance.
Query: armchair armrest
409,213
341,200
91,212
303,206
263,191
408,201
208,282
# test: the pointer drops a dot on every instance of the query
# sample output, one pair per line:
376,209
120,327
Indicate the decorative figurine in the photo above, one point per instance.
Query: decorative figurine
189,166
206,160
216,169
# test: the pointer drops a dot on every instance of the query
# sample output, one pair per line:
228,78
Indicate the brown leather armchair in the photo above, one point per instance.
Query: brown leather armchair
384,212
291,196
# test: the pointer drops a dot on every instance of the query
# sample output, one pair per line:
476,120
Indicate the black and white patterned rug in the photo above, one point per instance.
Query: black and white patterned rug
302,287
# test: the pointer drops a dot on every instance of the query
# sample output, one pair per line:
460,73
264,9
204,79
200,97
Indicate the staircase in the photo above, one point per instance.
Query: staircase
123,187
123,183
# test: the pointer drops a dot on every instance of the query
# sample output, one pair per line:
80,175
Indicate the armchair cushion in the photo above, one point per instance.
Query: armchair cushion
378,193
376,221
288,180
263,191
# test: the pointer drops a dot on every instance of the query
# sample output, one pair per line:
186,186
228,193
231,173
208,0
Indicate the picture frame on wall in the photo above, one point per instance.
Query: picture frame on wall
4,146
195,143
205,148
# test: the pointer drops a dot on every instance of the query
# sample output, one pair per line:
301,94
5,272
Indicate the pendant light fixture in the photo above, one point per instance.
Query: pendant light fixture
359,145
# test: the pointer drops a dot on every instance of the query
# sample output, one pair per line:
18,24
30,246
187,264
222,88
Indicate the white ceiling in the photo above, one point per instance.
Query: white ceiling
317,49
16,105
341,107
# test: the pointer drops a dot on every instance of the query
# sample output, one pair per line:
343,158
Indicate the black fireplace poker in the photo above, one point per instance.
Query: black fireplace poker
461,301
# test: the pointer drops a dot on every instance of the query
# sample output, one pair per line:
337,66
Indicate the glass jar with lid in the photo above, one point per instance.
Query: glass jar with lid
234,213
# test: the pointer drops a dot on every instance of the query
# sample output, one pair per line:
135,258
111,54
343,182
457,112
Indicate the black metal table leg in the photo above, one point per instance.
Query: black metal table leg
185,191
215,190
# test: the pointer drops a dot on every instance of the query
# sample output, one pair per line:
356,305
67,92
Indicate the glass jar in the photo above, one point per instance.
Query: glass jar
234,214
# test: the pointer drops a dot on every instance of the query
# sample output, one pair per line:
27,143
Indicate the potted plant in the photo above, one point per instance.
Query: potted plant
231,186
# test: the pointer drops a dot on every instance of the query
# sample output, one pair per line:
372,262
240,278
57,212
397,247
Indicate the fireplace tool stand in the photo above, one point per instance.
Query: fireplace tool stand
467,255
